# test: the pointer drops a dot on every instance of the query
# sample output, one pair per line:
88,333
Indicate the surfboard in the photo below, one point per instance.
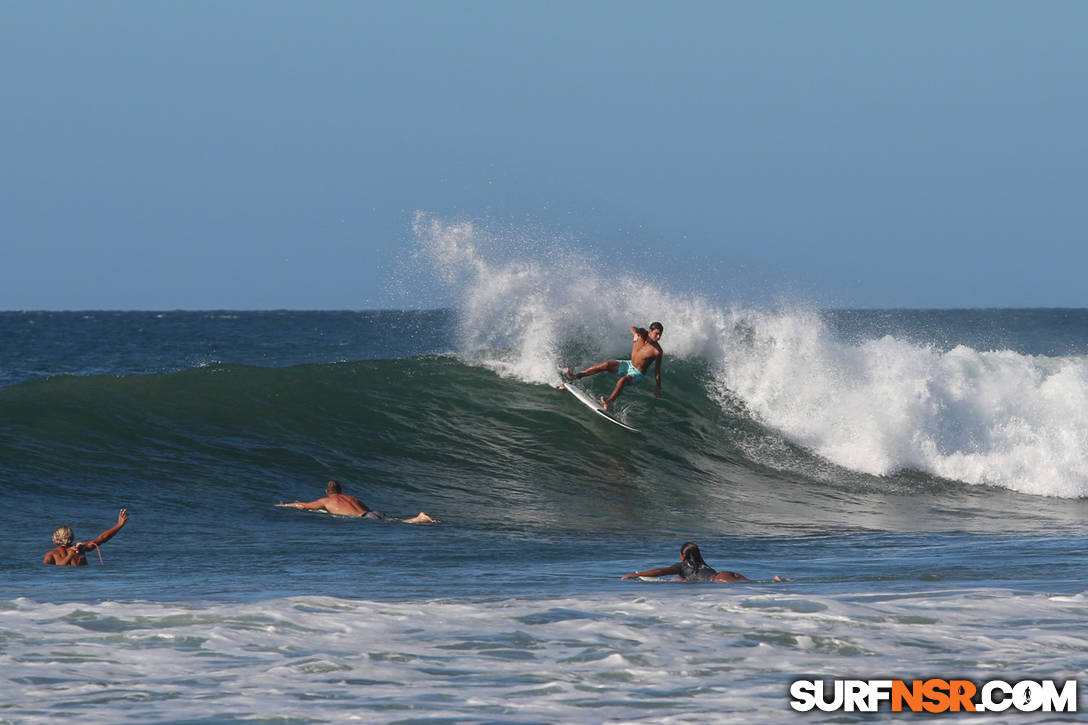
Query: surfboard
592,403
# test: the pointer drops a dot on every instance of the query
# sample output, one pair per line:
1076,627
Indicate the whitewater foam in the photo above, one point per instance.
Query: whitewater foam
984,417
685,651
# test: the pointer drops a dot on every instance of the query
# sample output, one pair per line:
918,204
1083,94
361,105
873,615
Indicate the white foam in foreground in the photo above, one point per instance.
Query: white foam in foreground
667,655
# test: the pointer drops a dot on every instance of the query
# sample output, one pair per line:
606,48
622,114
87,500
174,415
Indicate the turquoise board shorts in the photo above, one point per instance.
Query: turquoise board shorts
626,368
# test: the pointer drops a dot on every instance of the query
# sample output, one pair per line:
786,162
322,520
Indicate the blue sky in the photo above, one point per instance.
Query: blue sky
268,154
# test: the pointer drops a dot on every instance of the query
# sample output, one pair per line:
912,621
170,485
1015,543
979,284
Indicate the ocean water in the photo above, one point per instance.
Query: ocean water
920,476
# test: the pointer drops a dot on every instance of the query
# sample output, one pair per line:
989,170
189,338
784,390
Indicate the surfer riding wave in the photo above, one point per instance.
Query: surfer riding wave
644,351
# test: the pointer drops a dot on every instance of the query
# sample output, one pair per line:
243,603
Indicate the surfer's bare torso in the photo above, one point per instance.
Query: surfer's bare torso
341,503
644,351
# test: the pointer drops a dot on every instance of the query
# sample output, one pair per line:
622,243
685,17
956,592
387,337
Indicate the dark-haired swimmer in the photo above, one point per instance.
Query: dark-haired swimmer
336,502
644,350
68,554
692,568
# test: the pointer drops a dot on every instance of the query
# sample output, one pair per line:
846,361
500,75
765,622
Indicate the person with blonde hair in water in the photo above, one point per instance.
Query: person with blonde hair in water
67,554
337,502
692,568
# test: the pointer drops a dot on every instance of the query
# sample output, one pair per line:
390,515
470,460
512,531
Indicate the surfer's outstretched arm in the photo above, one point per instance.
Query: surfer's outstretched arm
673,570
122,519
305,505
657,375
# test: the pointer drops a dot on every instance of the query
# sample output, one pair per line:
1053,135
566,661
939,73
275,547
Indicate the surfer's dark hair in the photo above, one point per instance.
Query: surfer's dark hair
657,326
332,487
690,553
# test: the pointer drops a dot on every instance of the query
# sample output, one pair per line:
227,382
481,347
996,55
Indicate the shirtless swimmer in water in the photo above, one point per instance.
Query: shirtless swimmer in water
69,554
644,350
336,502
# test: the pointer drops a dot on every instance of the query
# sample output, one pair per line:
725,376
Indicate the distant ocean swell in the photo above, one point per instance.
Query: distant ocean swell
781,392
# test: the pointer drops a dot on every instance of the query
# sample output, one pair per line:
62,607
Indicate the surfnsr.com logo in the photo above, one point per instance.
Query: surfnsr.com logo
933,695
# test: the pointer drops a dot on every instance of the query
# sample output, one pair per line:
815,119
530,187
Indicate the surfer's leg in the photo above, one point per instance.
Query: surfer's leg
377,515
610,366
420,518
730,576
620,384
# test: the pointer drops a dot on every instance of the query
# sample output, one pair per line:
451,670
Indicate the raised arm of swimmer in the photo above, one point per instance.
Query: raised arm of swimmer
122,519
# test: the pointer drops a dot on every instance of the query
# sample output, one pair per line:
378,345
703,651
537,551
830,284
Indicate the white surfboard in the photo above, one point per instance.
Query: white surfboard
592,403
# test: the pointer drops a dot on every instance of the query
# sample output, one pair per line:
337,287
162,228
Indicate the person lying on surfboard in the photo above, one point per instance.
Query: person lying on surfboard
692,568
69,554
336,502
644,351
